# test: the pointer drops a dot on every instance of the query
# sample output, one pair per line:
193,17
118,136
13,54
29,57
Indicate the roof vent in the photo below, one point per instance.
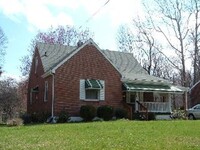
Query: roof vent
80,43
45,54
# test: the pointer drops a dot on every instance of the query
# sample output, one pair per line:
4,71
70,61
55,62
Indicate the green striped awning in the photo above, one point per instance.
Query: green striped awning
93,84
150,88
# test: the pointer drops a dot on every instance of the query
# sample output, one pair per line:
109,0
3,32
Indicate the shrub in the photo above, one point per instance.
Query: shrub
120,113
51,119
34,117
87,112
136,116
15,122
63,117
26,118
105,112
143,116
43,116
151,116
39,117
179,114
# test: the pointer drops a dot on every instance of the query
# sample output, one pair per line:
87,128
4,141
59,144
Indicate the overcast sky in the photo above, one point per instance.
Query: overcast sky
21,19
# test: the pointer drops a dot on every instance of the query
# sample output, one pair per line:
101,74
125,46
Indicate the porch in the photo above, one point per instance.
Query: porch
157,107
145,98
144,93
149,101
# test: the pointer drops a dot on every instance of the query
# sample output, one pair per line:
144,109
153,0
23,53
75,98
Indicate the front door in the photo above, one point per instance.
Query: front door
132,97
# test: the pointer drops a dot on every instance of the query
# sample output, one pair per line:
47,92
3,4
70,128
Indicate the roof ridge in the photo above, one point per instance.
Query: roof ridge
54,44
116,51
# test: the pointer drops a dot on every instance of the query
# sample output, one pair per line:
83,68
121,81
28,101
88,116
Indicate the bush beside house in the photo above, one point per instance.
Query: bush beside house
63,117
105,112
120,113
87,112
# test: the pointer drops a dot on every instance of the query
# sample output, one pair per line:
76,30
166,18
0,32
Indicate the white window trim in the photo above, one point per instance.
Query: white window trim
82,92
82,89
102,91
46,91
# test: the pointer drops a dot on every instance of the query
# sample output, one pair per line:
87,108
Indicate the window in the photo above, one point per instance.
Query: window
36,64
197,107
34,94
160,97
91,89
46,91
92,93
132,97
156,97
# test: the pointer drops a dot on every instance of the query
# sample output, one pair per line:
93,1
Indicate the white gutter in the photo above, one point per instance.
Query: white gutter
47,74
53,97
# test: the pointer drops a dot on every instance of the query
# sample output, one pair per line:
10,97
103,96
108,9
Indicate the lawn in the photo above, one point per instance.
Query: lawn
103,135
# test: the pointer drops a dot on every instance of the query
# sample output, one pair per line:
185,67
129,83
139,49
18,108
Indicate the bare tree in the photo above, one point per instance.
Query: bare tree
139,40
26,64
22,94
3,45
146,45
9,100
65,35
194,8
174,25
125,39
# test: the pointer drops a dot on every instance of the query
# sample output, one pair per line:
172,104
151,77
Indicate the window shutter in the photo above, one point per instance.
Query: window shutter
102,91
82,89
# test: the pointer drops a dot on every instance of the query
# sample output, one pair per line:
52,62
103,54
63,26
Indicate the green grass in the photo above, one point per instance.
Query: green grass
104,135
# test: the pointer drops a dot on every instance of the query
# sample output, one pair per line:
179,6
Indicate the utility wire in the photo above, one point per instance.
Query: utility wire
95,13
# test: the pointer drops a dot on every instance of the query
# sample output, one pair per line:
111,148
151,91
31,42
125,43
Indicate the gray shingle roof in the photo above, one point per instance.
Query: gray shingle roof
55,53
125,63
143,78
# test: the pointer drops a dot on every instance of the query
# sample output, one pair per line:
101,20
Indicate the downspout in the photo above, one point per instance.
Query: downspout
53,96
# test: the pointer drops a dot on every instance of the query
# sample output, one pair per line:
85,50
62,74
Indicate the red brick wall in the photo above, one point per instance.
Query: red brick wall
195,95
38,105
87,63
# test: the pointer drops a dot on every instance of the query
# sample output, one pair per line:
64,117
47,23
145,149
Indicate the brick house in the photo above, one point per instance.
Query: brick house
67,77
195,95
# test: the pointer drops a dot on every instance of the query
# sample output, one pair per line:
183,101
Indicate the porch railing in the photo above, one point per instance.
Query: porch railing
143,109
157,106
